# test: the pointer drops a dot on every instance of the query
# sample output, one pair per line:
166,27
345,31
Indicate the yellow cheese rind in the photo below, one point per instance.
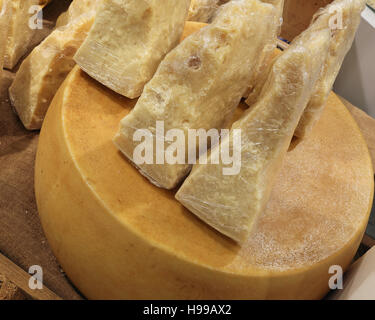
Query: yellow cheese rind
44,70
341,41
107,225
190,89
232,203
19,32
128,41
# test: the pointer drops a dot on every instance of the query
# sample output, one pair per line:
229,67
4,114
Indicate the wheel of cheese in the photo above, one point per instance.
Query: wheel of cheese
117,236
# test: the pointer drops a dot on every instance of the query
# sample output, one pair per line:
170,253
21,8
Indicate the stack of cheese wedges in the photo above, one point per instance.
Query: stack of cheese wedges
102,218
301,78
43,71
132,48
190,88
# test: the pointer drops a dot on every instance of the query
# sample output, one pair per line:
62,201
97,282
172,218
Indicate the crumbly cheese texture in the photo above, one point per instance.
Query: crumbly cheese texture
76,9
128,41
204,10
4,20
232,203
43,71
200,83
341,42
19,32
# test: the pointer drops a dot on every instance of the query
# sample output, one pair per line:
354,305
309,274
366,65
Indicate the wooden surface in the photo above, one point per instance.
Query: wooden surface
15,284
21,236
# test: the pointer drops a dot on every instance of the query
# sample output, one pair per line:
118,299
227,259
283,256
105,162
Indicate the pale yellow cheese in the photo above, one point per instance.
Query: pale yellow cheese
19,32
349,13
76,8
200,83
129,39
231,203
119,237
43,71
202,10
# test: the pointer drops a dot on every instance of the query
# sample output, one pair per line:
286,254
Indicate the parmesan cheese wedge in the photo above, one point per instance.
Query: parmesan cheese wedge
200,83
19,32
128,41
347,13
42,72
76,9
231,203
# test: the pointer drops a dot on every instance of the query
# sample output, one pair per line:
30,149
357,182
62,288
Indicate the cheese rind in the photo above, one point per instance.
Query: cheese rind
232,203
19,32
128,41
190,89
349,12
106,223
43,71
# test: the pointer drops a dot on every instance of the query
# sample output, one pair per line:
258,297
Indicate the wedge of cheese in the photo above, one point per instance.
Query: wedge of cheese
128,41
19,32
232,202
203,10
4,22
191,87
76,9
343,17
43,71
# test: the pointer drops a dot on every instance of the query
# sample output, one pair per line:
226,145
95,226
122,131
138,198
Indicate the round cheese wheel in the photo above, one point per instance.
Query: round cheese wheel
117,236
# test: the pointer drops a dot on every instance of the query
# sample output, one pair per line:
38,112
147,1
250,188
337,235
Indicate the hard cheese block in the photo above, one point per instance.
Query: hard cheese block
118,236
190,88
232,201
347,13
76,9
129,39
44,70
19,33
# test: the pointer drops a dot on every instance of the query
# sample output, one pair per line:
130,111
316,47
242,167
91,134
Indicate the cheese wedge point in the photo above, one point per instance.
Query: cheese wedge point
19,32
128,41
190,89
76,9
347,12
43,71
231,201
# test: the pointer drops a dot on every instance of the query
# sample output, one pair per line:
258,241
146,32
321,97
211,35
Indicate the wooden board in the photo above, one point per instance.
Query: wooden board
21,236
